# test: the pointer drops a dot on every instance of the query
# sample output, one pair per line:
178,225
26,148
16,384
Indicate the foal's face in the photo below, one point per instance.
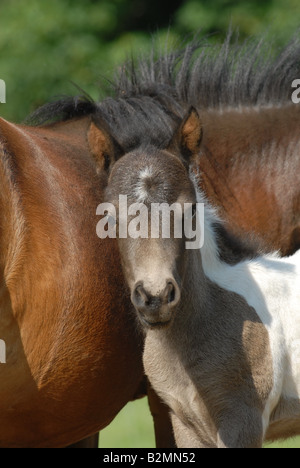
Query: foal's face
154,258
154,265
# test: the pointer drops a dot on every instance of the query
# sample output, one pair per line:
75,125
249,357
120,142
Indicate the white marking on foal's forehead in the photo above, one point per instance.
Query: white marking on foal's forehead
146,173
141,190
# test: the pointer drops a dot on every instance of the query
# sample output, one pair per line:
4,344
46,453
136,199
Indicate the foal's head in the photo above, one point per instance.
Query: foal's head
151,241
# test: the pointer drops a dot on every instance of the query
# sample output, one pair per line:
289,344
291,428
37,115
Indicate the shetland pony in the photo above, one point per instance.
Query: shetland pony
222,342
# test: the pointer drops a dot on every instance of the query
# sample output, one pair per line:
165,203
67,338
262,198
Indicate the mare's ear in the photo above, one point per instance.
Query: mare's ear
103,146
188,137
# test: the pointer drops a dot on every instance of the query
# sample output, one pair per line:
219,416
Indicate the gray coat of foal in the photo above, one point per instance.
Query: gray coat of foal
220,338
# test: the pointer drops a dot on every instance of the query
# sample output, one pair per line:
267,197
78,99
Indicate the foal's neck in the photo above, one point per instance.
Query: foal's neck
196,288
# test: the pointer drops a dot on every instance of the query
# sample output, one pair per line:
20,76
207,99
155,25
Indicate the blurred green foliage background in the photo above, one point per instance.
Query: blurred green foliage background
45,45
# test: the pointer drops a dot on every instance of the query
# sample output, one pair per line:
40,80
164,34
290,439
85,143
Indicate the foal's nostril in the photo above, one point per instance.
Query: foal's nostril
139,297
171,294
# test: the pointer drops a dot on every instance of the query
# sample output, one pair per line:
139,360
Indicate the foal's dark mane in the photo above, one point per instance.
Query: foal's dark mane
134,121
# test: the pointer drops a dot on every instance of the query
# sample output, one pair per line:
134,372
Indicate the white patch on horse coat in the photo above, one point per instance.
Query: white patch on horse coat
141,190
271,286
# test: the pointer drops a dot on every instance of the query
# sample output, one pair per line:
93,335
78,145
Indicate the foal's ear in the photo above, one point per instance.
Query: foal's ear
188,137
103,146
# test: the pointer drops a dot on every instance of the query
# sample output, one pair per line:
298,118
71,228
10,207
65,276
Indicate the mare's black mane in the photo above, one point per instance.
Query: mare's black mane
151,95
207,76
161,87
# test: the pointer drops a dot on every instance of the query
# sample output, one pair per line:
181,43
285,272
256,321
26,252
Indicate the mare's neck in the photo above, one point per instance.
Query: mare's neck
244,153
265,133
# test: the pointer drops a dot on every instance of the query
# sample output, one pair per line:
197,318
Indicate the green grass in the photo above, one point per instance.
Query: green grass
133,428
289,443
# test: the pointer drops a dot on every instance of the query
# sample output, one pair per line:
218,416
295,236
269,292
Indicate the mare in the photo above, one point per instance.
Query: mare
73,351
222,340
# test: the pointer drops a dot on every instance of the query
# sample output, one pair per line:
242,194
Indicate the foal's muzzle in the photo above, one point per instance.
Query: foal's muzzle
156,311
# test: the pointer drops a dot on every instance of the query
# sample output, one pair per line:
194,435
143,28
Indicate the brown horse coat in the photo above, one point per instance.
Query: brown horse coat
72,348
249,166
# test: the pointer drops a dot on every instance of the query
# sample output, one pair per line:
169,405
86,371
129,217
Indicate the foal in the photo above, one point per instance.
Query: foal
222,341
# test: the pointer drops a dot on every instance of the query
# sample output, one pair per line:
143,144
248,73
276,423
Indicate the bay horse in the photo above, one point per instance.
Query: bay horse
222,340
73,351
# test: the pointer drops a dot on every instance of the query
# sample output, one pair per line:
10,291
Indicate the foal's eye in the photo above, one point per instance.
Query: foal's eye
111,220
